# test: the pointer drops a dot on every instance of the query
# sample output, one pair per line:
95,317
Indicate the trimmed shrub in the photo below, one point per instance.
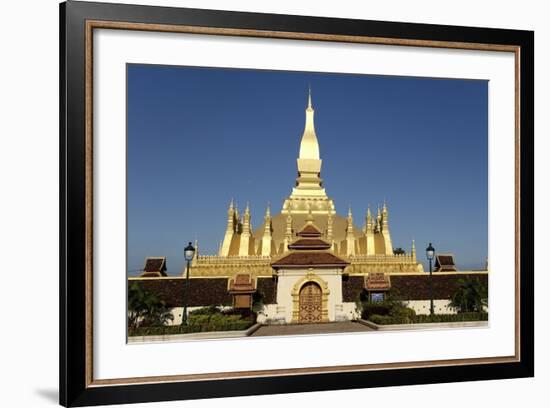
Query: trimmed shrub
378,319
387,308
214,319
375,308
400,310
442,318
447,318
208,310
167,330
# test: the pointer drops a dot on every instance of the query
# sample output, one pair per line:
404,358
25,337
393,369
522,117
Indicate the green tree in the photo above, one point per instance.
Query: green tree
146,309
258,302
470,296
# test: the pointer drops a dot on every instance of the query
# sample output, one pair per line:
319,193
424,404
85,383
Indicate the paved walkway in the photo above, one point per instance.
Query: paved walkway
315,328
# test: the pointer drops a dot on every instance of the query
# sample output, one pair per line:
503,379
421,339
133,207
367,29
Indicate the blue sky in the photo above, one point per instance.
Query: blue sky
198,137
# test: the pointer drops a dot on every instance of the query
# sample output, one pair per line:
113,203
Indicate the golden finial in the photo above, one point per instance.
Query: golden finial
309,98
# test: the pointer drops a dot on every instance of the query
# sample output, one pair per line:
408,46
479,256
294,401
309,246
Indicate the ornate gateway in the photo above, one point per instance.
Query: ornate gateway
311,303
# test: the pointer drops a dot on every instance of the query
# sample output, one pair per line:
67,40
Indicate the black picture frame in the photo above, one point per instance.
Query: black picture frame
76,389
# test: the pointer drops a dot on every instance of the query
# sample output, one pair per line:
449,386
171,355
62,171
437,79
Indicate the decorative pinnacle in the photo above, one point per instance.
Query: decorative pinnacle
309,98
247,209
268,211
309,217
349,212
231,205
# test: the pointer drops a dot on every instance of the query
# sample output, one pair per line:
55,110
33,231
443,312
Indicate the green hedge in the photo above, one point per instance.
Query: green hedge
205,319
207,310
215,319
441,318
387,308
445,318
191,328
378,319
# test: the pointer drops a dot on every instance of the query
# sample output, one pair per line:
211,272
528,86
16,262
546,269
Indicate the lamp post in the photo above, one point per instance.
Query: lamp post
430,253
188,253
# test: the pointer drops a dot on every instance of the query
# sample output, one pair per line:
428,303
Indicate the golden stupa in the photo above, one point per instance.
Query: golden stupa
368,249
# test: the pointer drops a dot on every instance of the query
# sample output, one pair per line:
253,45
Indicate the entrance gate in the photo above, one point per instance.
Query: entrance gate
311,303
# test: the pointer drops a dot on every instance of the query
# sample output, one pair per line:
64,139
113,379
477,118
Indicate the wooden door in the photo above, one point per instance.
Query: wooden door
311,303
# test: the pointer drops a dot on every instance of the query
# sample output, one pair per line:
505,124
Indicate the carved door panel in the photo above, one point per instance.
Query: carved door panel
311,303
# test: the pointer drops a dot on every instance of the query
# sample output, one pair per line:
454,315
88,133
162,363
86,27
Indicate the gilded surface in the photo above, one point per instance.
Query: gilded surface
368,248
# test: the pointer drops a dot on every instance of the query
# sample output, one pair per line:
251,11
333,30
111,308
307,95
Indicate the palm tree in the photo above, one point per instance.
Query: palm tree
470,296
146,309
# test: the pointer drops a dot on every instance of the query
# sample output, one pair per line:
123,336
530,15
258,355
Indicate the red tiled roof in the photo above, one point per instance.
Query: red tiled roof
242,283
301,259
309,243
377,281
444,263
153,264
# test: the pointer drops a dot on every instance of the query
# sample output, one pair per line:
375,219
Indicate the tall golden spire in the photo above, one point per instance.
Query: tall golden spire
384,224
385,230
246,233
266,239
368,220
288,232
229,231
369,233
378,219
231,217
350,237
238,220
309,185
309,147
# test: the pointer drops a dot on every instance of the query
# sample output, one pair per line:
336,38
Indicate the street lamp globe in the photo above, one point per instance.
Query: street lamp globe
430,252
189,252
